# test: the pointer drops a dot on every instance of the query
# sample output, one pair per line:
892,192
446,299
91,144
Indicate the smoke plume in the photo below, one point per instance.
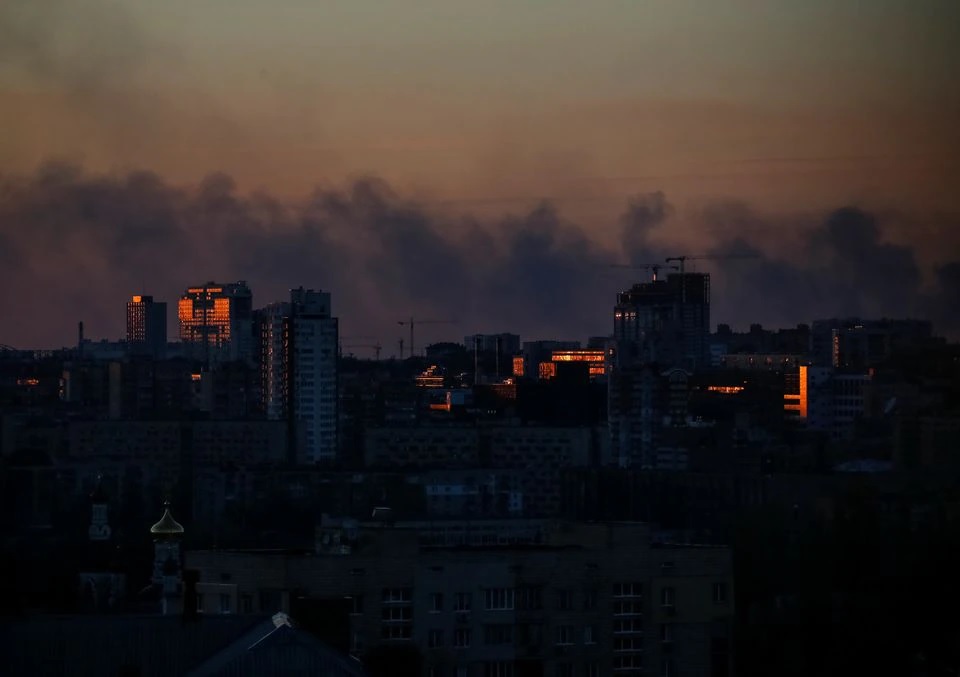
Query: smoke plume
75,245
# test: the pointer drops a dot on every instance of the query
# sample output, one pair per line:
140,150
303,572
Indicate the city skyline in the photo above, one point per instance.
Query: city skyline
536,274
477,163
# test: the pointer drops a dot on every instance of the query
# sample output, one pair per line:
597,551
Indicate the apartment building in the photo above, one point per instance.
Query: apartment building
501,598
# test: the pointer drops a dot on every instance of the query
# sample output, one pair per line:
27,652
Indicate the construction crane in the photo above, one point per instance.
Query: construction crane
375,346
356,338
655,267
702,257
709,257
412,323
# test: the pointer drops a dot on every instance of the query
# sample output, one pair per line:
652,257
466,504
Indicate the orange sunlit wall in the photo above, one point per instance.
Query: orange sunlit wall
595,358
204,317
518,365
804,388
547,370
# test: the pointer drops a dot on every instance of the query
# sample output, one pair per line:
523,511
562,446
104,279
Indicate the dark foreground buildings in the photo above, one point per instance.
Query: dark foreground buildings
499,597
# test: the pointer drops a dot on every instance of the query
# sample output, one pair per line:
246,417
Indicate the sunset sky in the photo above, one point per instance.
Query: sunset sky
775,113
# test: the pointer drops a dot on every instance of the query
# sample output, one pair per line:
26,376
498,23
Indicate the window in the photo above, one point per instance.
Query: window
668,669
395,631
462,601
461,638
627,626
565,634
593,670
590,634
356,642
627,590
246,603
397,614
667,597
224,604
356,605
564,670
627,608
200,602
590,599
397,596
530,599
435,639
719,593
498,669
436,602
497,634
666,633
499,599
564,600
627,644
630,661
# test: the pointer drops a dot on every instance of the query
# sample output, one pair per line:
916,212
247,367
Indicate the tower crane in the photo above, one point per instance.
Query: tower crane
703,257
709,257
356,338
655,267
412,322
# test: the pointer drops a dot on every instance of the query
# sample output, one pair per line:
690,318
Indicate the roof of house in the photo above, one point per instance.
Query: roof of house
165,646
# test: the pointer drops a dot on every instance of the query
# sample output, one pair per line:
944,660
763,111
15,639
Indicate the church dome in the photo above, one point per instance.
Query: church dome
167,526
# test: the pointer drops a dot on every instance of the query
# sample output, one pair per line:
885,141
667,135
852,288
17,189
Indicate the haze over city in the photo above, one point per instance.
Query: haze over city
480,162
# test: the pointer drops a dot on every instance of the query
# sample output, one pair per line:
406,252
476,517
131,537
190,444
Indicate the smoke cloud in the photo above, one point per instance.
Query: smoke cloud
74,245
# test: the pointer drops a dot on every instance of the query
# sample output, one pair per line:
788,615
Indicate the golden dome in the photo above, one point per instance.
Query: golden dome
167,526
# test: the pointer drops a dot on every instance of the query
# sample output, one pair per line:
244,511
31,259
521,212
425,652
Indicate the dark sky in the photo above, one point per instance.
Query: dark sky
476,161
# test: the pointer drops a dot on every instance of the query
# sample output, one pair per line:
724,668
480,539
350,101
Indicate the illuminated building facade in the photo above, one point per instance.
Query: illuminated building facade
595,359
298,362
146,326
216,321
536,353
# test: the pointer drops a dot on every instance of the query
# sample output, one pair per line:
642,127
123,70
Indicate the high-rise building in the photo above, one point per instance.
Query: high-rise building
853,343
273,324
298,363
661,334
146,326
665,321
216,321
